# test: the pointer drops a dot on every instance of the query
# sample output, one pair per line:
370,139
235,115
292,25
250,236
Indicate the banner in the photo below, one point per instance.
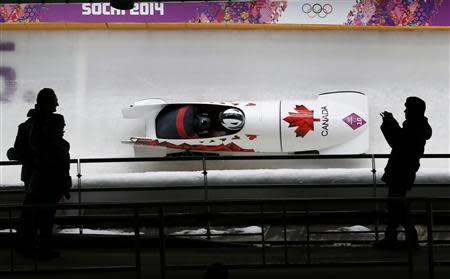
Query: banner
336,12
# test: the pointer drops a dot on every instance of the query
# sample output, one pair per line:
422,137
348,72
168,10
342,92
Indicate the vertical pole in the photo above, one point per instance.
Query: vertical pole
162,243
205,179
79,189
137,243
308,244
374,182
206,198
263,240
430,239
286,262
410,248
11,252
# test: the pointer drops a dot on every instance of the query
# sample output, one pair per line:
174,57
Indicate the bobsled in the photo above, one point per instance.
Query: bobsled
333,123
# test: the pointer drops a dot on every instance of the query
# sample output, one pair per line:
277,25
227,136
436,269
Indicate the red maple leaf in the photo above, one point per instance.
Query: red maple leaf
303,119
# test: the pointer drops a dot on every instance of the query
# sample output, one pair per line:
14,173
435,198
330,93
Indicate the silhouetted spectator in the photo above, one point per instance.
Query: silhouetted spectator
50,179
216,271
59,159
407,145
45,156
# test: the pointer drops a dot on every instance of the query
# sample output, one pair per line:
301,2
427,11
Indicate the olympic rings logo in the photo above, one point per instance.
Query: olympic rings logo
313,10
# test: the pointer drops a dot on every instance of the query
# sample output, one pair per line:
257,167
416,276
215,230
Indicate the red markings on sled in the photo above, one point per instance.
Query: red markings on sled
220,147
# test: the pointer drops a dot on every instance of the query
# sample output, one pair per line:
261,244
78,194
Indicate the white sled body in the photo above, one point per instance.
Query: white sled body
334,123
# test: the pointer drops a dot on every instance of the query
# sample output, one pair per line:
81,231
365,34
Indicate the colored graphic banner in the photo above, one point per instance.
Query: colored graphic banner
337,12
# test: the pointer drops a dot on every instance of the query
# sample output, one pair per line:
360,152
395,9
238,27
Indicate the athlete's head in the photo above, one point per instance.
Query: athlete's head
232,119
202,122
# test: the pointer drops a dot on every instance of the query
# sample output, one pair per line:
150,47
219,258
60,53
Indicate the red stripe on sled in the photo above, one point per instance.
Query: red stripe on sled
180,122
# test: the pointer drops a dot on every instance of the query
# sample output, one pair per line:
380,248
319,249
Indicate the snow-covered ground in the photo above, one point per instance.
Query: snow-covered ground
201,232
96,232
257,176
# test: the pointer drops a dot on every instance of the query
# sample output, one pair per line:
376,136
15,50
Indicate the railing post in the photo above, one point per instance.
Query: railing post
79,190
162,243
409,245
137,243
11,241
308,244
285,236
263,240
430,239
374,182
205,178
206,198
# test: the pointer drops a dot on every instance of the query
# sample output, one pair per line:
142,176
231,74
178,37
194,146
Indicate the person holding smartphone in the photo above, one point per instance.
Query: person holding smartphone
407,143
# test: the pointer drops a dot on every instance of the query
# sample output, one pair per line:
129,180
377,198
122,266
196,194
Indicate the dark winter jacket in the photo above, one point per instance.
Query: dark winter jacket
22,151
407,143
50,154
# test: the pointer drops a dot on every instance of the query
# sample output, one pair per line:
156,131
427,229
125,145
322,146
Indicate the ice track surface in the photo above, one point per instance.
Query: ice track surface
96,73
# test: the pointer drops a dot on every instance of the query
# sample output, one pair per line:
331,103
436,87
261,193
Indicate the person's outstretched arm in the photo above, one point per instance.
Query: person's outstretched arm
391,129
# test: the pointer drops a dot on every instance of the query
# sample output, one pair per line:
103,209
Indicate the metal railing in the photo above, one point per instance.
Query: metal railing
204,170
274,212
206,187
161,220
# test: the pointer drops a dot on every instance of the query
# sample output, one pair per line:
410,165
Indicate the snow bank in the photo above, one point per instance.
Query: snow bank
355,228
96,232
217,233
260,176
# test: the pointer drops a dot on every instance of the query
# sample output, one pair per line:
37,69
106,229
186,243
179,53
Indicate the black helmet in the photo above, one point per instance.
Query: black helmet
202,122
232,119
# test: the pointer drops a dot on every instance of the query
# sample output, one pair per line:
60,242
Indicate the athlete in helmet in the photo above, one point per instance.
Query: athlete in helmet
232,119
202,125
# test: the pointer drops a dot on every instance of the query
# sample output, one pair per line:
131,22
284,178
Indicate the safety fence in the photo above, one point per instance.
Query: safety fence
206,188
163,212
284,213
204,169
